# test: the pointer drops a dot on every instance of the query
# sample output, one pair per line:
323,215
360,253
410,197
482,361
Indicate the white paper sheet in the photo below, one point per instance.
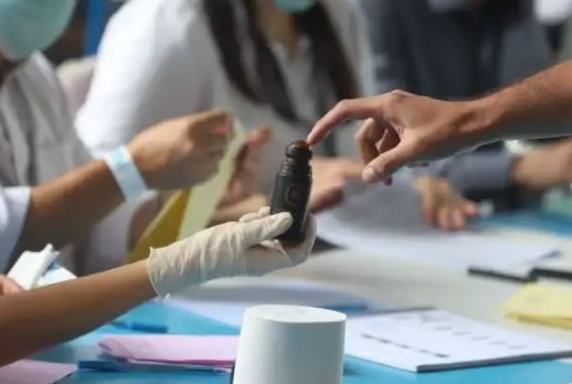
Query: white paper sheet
387,221
227,304
438,340
35,372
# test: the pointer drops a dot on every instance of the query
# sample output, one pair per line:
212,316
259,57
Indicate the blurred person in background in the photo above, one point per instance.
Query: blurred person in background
50,189
457,50
278,62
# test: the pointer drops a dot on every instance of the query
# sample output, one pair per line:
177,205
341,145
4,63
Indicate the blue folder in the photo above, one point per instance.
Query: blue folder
357,371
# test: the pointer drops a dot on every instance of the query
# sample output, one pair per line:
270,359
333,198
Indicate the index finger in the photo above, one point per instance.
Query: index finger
355,109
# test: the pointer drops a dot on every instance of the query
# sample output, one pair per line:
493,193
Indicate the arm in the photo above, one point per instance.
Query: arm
84,304
403,128
474,172
32,320
65,209
546,96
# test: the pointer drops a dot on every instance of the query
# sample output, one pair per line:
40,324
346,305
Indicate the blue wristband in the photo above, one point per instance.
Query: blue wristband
126,173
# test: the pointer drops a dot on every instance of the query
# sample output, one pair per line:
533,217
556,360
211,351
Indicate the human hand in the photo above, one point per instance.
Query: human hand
545,167
331,176
182,152
402,128
9,286
441,206
245,179
244,248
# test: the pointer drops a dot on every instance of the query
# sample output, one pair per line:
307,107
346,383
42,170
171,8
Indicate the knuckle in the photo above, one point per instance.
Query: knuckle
342,106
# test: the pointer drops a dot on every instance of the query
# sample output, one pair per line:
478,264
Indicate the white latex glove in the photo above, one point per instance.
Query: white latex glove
244,248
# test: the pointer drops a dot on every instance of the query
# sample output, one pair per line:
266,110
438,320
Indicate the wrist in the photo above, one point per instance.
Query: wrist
126,173
483,118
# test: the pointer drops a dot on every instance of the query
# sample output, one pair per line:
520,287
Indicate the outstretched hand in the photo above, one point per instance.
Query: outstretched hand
400,129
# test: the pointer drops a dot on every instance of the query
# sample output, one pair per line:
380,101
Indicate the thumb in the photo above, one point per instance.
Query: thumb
268,228
387,163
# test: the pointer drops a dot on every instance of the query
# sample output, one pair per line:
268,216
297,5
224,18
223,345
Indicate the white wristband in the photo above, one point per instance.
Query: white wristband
126,173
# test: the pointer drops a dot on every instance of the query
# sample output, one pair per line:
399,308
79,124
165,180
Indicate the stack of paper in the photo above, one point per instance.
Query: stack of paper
35,372
177,350
547,304
431,340
387,221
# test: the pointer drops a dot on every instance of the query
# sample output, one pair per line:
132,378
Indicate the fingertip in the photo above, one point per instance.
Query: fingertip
472,209
370,175
315,136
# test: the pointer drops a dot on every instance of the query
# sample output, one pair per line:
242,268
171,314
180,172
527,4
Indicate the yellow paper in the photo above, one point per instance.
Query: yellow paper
205,198
164,229
550,322
547,304
190,211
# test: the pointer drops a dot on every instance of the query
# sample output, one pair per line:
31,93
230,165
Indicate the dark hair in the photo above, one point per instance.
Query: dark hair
314,23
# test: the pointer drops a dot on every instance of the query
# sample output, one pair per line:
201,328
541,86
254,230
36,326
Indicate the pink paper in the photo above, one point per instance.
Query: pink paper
175,349
35,372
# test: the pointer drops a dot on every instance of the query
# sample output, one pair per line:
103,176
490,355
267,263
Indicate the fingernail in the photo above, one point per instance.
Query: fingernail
370,175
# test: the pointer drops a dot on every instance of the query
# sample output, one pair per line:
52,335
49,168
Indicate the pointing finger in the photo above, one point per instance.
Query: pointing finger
356,109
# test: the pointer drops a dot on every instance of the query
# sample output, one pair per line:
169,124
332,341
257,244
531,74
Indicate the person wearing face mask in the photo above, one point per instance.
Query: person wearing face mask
38,144
51,191
276,62
458,49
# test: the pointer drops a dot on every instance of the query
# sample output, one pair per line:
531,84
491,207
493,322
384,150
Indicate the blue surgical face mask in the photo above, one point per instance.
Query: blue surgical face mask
30,25
293,6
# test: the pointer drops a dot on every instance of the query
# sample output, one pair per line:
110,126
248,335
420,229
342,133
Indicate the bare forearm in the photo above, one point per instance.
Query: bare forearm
546,97
67,208
37,319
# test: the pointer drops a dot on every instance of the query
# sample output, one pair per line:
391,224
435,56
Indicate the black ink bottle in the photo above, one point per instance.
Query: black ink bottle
292,188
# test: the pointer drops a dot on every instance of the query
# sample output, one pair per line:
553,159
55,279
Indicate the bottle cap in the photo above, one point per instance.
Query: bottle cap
299,150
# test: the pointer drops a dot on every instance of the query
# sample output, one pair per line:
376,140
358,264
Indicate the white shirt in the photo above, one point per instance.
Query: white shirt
158,61
553,11
38,144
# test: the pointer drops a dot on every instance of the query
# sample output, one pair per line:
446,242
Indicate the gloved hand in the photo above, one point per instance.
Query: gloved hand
244,248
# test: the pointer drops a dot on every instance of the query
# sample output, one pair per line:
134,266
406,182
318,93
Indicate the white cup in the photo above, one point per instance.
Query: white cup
283,344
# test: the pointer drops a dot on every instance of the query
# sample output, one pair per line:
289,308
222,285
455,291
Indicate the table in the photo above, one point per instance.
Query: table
379,279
